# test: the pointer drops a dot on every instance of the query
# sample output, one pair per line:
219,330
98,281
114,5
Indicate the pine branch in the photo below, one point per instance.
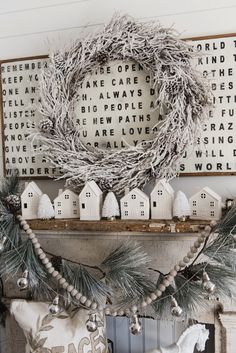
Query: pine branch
10,186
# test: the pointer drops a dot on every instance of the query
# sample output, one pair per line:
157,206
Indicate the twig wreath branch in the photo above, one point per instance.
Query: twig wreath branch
182,97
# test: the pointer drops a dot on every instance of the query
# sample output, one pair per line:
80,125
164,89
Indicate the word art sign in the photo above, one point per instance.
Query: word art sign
216,150
20,97
116,108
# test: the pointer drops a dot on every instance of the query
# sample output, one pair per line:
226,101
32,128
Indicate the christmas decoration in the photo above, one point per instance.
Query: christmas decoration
91,323
206,204
181,208
194,336
90,202
207,284
161,199
45,208
66,204
30,200
23,282
54,307
135,325
129,283
176,309
134,205
14,202
168,61
110,207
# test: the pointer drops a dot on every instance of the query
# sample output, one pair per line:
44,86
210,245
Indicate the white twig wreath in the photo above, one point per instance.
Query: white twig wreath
182,96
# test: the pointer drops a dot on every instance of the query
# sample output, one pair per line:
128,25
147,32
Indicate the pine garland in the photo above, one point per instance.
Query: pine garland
124,277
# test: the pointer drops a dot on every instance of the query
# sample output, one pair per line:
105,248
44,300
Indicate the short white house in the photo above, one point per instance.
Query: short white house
90,202
161,198
30,200
66,204
135,205
206,204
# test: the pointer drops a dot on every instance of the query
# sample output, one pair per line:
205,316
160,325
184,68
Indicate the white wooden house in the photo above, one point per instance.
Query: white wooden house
90,202
66,204
135,205
161,198
206,204
30,200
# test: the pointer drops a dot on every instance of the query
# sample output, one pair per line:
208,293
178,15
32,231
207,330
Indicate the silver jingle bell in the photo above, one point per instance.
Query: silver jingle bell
23,282
207,285
176,311
91,323
135,326
54,307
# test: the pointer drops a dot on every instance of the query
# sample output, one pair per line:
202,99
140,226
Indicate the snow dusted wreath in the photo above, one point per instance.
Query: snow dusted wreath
182,95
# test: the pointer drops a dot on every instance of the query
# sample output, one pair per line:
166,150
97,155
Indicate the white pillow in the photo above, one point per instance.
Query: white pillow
65,333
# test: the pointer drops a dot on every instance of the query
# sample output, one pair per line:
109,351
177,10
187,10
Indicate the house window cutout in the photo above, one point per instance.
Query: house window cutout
159,192
83,205
212,213
142,213
125,204
59,212
203,196
194,203
141,204
88,194
212,203
133,197
25,205
30,194
194,212
154,204
59,204
67,197
75,211
126,213
74,203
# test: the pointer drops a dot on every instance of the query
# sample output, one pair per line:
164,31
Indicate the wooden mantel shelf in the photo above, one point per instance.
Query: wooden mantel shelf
150,226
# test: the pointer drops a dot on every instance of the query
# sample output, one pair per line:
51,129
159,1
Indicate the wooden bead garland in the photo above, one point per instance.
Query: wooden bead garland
93,305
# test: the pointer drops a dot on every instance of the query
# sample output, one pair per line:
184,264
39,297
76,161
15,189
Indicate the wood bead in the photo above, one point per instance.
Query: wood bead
153,296
208,229
48,265
65,285
45,261
190,255
78,296
88,303
169,278
158,293
31,236
39,251
29,231
43,256
94,306
148,300
177,268
186,260
120,312
201,240
55,273
50,270
37,246
143,304
83,299
19,217
26,227
182,264
114,313
166,282
213,223
34,240
173,272
74,292
197,244
107,311
58,277
61,281
193,249
70,288
162,287
23,223
134,309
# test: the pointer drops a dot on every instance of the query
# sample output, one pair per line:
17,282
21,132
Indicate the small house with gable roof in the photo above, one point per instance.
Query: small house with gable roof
161,198
135,205
90,202
206,204
66,204
30,200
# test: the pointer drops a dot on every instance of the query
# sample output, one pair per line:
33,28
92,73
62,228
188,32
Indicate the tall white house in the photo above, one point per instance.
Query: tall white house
66,204
206,204
161,198
90,202
135,205
30,200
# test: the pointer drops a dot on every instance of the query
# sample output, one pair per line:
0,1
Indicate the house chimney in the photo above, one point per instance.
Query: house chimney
60,192
126,190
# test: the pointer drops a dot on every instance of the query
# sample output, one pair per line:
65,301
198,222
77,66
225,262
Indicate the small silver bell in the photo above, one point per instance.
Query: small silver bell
91,323
135,325
54,307
176,309
2,242
23,282
207,285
